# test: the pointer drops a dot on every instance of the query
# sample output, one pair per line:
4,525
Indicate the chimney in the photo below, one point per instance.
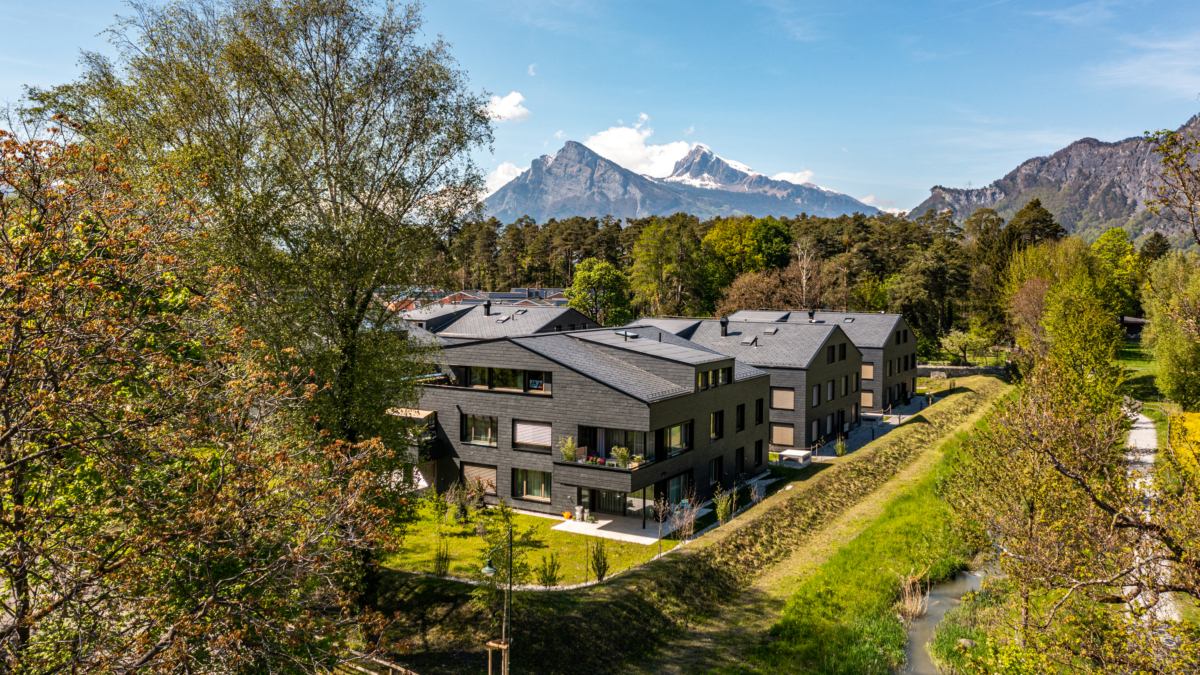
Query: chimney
487,308
724,326
812,313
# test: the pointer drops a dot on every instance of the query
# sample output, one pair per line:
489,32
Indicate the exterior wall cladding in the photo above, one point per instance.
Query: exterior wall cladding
577,400
887,389
819,372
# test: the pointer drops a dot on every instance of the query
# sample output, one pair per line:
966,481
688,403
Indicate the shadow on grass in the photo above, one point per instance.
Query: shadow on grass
1142,387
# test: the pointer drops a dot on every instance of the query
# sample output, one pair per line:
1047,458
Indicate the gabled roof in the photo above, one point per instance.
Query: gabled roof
759,315
603,365
681,327
787,345
511,321
672,350
592,354
863,328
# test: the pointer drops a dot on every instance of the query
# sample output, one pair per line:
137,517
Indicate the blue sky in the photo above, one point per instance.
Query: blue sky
875,99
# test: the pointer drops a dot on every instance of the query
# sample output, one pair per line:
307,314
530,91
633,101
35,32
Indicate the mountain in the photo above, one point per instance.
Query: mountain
1089,186
578,182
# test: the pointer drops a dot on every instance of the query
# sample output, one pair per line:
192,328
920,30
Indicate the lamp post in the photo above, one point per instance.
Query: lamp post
489,571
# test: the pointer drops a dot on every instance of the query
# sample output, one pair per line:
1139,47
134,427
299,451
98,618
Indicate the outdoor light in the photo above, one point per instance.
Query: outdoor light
488,570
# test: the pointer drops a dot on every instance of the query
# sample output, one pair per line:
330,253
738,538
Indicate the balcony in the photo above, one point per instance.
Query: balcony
590,472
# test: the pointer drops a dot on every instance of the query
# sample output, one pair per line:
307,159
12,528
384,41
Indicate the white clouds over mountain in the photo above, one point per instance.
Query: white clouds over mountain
627,147
508,108
799,177
501,176
885,205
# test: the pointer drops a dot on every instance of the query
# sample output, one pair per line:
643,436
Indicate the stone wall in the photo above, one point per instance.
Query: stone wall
924,370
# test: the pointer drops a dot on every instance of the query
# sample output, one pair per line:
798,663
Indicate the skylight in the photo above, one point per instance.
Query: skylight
522,311
503,319
771,331
749,339
848,319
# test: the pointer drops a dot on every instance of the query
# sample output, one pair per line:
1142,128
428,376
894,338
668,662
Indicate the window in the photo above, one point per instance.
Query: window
783,399
830,354
889,369
477,377
740,420
479,472
906,336
702,380
758,411
724,376
571,326
607,439
829,390
716,426
868,371
532,435
739,462
816,396
528,484
854,412
782,434
538,381
845,385
842,352
816,430
868,399
677,488
716,469
758,453
897,337
829,423
508,378
479,430
677,439
558,328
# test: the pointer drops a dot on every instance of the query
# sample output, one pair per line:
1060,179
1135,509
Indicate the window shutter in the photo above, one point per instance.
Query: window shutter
868,371
781,434
486,474
783,399
533,433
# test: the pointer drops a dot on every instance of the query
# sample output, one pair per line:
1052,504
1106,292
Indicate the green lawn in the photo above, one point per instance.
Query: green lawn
467,548
1139,359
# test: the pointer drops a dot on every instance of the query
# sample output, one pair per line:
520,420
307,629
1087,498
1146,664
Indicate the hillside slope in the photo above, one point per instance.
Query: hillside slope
1090,186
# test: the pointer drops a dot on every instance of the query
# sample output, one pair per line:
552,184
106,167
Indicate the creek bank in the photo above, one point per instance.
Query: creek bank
941,599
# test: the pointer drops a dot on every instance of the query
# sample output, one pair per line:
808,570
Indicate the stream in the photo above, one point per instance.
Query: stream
942,598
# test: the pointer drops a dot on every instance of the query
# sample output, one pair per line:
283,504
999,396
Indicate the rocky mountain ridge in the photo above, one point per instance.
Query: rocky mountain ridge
576,181
1090,186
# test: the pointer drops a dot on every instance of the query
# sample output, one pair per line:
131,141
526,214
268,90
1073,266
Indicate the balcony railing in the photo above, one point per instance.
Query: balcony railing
584,458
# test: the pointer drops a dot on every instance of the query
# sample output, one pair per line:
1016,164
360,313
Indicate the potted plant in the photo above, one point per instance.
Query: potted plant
622,456
566,448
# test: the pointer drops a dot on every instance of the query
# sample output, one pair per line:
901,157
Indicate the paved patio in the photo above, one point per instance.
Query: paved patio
621,528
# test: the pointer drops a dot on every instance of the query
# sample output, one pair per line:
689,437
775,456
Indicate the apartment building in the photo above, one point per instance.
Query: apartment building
888,346
691,418
815,372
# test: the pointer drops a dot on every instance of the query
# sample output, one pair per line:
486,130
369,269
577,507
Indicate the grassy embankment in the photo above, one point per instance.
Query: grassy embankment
844,618
604,628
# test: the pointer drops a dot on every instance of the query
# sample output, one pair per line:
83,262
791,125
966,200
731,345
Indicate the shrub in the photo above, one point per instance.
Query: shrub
598,560
840,447
441,560
723,502
548,573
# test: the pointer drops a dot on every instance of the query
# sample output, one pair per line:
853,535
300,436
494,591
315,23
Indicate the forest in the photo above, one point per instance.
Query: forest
948,280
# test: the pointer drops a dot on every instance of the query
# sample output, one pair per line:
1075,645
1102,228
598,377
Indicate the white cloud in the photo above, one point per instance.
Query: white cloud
627,147
799,177
501,176
885,205
508,108
1077,15
690,130
532,69
1171,65
559,134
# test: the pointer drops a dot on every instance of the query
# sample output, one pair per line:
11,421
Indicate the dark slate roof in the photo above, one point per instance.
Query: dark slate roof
681,327
866,329
475,325
759,315
422,336
791,345
644,342
434,311
602,365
